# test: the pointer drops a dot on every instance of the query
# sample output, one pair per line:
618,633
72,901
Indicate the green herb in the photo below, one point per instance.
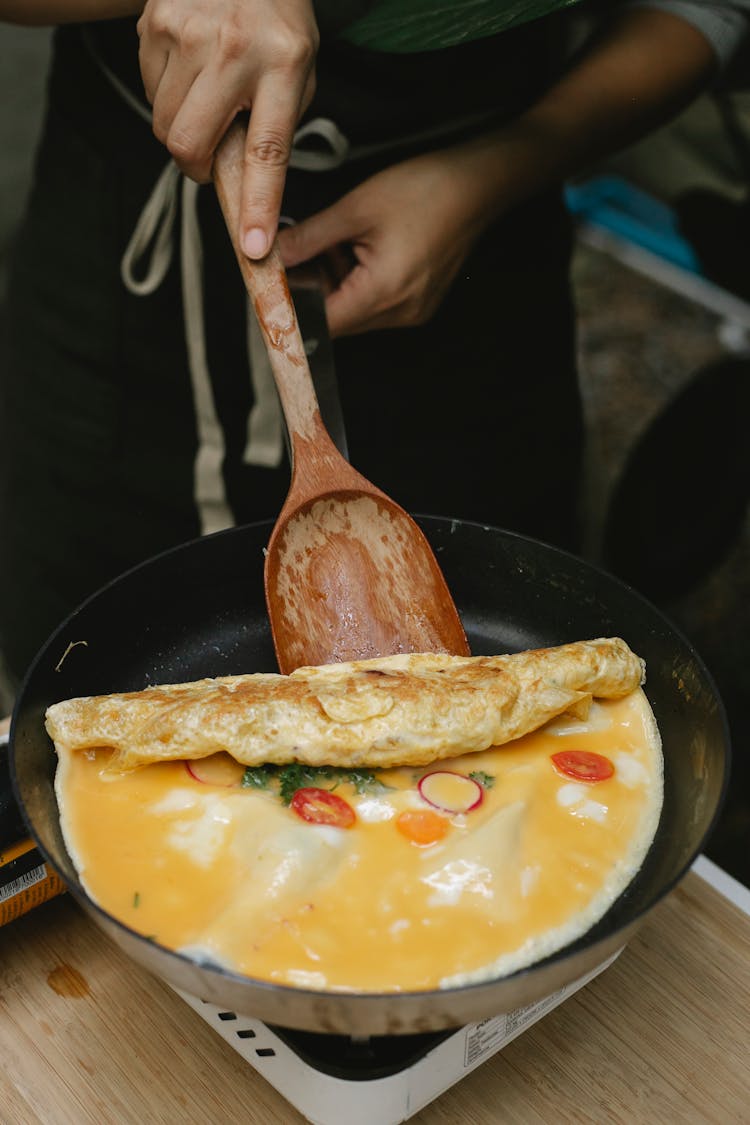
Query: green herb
137,898
259,777
364,781
297,776
486,780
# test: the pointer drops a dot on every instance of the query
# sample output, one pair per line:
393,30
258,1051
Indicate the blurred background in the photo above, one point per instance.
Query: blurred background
663,292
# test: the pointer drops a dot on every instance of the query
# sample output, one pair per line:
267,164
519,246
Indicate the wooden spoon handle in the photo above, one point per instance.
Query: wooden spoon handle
267,286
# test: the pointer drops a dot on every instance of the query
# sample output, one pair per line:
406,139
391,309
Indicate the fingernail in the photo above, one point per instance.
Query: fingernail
254,243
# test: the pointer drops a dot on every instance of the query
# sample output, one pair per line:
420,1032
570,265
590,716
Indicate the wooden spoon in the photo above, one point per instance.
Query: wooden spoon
348,574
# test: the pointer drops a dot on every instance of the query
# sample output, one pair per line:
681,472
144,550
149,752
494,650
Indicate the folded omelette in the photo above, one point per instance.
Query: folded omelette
253,837
405,710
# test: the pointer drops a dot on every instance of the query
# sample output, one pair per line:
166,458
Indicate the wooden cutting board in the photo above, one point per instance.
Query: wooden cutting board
89,1038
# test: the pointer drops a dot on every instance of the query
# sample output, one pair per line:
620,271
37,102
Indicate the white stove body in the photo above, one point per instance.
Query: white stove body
327,1100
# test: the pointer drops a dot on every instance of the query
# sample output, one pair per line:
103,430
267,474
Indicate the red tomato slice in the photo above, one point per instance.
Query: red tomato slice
583,765
320,806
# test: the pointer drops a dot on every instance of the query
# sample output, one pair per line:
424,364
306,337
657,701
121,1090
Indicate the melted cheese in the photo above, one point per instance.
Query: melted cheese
231,875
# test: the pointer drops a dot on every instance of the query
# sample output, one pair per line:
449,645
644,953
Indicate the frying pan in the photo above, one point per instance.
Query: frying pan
198,610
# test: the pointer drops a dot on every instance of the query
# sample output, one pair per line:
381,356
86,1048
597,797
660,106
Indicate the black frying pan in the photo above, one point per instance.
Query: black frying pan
199,610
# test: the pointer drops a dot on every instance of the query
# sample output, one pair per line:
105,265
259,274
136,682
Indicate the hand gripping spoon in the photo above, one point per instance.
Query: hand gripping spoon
348,574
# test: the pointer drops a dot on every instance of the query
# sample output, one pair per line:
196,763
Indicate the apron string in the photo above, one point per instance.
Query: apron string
143,267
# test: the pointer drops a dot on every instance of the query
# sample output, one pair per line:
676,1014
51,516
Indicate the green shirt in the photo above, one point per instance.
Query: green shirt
405,26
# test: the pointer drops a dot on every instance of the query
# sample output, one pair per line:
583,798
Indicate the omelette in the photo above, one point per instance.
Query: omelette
391,711
405,823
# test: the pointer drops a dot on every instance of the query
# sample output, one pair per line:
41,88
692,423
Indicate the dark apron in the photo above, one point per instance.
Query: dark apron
475,415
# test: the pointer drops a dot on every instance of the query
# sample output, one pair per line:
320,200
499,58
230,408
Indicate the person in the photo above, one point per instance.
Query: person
426,156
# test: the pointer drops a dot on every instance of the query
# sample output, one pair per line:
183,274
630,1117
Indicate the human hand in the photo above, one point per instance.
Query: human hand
202,61
406,232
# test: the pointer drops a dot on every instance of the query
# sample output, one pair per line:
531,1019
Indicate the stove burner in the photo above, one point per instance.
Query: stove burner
376,1056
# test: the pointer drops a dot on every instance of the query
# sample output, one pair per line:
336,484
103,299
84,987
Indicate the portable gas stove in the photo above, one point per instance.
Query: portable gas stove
324,1076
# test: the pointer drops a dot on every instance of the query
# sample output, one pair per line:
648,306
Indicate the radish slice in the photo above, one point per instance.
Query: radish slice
451,792
217,769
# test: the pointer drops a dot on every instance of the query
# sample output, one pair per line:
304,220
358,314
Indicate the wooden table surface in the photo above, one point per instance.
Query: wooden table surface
87,1036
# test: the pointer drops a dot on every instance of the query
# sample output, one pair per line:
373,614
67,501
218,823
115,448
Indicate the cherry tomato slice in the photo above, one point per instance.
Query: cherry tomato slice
583,765
319,806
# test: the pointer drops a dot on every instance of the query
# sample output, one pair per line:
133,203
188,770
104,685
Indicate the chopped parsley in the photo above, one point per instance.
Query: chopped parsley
258,777
288,779
137,898
296,776
364,781
486,780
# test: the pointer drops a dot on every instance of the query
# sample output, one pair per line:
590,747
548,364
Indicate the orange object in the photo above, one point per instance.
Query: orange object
25,880
422,826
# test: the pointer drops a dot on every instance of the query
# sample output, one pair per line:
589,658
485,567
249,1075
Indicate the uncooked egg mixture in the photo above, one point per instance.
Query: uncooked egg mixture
399,879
